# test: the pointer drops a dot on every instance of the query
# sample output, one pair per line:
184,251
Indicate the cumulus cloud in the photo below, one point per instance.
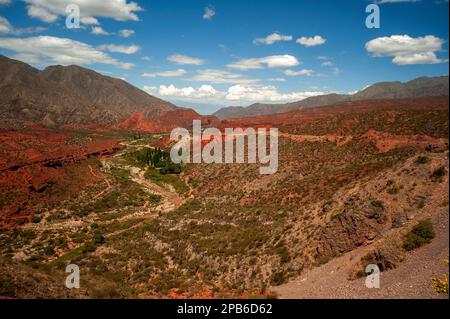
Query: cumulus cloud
240,94
272,38
265,94
126,33
50,10
310,42
209,13
5,2
41,14
131,49
304,72
185,60
99,31
89,20
48,50
407,50
220,76
5,26
274,61
165,74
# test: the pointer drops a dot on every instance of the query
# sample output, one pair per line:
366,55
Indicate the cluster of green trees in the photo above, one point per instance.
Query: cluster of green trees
157,158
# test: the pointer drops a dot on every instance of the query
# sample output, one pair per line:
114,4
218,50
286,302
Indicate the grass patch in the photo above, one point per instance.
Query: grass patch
161,179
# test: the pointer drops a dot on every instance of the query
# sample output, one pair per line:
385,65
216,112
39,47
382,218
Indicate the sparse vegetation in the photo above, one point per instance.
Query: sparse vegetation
439,172
421,234
422,160
440,285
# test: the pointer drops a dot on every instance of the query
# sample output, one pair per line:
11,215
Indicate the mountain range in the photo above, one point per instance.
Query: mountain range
74,96
420,87
61,96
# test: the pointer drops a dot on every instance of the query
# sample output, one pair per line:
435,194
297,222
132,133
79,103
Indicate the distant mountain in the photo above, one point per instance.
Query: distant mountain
72,95
421,87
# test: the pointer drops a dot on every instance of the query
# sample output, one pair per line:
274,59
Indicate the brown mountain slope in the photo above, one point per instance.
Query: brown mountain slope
72,95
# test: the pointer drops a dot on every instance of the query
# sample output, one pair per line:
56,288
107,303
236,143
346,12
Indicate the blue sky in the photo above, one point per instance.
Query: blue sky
208,54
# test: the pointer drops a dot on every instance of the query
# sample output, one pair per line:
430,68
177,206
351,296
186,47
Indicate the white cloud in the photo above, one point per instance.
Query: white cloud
184,59
7,28
265,94
310,42
209,13
41,14
131,49
276,79
5,2
126,33
89,20
99,31
165,74
146,58
304,72
327,63
407,50
274,61
272,38
239,94
48,50
50,10
220,76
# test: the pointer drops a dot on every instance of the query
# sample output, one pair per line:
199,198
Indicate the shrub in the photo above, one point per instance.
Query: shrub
422,160
393,190
89,247
420,235
377,203
36,219
98,239
441,285
278,278
439,172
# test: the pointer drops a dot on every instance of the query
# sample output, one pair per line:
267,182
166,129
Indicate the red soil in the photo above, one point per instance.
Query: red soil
166,121
385,141
308,115
39,166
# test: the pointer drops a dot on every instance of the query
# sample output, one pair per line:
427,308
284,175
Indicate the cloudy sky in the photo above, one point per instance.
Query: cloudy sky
208,54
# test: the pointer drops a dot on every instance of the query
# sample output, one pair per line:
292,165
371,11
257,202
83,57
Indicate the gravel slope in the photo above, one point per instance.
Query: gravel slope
411,279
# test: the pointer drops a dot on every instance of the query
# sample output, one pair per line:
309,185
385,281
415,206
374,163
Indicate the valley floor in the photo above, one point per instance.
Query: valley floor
411,279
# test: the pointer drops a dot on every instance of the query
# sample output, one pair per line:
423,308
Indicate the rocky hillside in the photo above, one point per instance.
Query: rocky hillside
72,95
421,87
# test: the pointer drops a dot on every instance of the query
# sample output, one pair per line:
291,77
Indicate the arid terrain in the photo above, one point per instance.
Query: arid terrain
353,179
359,182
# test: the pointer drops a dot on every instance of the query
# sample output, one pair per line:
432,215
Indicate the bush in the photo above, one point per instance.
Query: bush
98,239
440,285
420,235
422,160
393,190
278,278
439,172
377,203
36,219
